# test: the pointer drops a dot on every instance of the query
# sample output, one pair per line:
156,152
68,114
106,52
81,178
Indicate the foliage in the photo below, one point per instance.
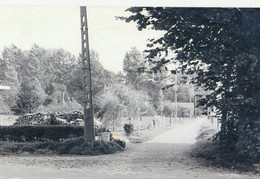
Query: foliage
27,100
133,60
46,79
75,146
39,133
217,45
33,76
216,155
117,101
10,67
100,79
68,107
138,73
134,63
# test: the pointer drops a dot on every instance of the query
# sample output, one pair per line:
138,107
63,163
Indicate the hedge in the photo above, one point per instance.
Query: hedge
39,133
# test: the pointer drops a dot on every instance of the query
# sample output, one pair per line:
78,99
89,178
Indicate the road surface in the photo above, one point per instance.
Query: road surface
163,157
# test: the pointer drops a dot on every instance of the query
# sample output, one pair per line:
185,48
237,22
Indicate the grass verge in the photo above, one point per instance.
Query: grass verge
211,153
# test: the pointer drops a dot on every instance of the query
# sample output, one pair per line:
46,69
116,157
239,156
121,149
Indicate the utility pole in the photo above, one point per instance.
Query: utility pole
190,88
194,102
89,133
176,91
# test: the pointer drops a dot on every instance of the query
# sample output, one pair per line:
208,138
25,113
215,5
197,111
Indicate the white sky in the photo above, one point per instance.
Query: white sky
59,27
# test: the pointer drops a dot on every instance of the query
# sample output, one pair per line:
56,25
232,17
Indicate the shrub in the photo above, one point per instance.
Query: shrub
68,147
129,128
53,107
39,133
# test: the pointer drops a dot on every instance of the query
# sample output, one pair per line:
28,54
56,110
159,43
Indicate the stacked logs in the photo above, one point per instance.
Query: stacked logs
49,118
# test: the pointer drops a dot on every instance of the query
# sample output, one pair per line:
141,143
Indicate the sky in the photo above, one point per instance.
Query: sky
59,27
56,24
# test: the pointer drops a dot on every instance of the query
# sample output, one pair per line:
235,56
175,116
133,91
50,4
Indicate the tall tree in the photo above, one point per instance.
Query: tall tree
118,101
134,66
12,58
218,45
133,60
27,100
100,79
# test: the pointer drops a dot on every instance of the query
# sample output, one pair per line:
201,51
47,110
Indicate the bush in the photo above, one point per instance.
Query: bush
39,133
214,154
68,147
68,107
129,128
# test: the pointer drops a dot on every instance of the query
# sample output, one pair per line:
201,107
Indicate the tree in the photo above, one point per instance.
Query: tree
12,58
133,60
27,101
100,79
31,93
143,81
118,101
58,66
36,75
218,46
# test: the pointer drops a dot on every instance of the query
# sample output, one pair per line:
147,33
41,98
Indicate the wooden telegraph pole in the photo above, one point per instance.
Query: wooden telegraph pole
89,134
176,92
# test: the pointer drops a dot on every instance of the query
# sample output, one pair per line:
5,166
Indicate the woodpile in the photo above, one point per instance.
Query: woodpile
34,119
64,119
49,118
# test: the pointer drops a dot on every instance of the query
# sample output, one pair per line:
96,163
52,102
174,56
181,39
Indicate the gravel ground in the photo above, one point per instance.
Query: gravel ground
144,160
139,160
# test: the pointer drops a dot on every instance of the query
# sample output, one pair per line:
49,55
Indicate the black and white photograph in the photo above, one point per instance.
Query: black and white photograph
129,90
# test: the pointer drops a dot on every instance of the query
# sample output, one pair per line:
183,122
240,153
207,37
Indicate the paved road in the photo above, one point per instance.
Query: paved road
139,161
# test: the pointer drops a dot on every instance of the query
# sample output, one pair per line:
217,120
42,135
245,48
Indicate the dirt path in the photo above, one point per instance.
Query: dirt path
147,160
185,133
138,161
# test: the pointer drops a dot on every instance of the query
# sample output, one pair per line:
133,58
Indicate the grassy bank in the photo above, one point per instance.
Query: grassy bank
212,153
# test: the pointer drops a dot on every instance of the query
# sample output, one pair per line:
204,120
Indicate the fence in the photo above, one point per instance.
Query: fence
146,123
